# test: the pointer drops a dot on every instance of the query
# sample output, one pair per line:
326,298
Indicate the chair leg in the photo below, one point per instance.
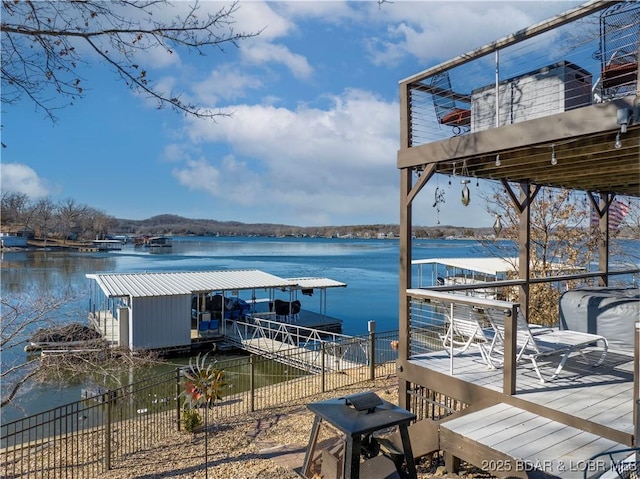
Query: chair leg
537,369
563,361
605,349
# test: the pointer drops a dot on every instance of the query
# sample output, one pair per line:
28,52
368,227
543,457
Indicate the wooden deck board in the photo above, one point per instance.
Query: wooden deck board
550,447
603,395
530,444
503,416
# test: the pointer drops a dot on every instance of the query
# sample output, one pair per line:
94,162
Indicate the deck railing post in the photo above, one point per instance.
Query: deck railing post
510,346
636,385
178,397
252,383
372,350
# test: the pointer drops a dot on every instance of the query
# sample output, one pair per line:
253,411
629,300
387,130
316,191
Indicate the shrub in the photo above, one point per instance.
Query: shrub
191,420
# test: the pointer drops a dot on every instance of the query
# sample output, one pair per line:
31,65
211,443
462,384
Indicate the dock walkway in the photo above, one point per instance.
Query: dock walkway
309,349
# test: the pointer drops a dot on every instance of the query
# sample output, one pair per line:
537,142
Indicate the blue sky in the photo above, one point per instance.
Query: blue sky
313,129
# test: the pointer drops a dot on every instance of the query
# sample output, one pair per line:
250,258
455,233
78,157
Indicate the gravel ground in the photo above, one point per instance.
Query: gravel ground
263,445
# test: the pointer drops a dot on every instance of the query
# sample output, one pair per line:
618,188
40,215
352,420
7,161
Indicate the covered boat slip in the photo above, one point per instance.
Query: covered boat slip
453,272
155,310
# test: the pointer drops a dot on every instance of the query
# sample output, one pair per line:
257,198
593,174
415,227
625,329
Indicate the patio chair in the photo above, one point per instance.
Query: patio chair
535,344
448,111
466,328
619,47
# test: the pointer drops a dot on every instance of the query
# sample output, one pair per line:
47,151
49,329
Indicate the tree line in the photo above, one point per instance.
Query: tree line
69,220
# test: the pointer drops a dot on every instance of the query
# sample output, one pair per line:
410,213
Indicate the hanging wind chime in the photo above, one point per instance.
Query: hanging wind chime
438,200
466,194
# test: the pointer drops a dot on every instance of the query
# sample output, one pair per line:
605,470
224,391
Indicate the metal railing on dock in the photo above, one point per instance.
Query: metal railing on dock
308,349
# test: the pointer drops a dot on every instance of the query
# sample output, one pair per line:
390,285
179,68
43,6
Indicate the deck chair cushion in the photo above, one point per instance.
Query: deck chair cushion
457,116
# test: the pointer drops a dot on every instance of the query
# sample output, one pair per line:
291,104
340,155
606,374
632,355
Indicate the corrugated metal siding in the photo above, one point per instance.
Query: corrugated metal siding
160,322
177,283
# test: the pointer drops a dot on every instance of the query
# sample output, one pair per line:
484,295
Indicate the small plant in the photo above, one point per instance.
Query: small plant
202,386
191,420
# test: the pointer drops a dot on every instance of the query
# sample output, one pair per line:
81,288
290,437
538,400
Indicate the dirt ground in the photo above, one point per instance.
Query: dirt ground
263,445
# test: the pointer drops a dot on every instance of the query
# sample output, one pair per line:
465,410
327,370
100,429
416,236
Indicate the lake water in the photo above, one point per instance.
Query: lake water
368,267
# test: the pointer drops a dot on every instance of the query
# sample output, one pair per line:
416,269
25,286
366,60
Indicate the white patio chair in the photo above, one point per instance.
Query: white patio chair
465,329
535,343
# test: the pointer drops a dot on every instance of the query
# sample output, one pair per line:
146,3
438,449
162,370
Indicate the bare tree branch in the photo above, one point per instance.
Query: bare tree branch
41,46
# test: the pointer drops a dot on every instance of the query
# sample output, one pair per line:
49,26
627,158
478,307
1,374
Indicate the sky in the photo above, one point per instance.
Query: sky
311,127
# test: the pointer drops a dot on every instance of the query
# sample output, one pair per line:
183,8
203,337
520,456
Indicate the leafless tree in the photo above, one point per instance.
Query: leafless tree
45,210
16,208
45,44
560,233
21,315
70,214
96,223
24,315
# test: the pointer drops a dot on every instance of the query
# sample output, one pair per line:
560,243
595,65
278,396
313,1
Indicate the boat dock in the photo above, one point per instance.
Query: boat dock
311,344
184,312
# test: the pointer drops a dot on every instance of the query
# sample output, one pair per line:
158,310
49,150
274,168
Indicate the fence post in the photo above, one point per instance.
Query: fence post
178,395
106,398
322,365
372,350
252,383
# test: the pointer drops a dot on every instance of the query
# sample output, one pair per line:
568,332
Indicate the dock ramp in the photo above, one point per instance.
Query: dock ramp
307,349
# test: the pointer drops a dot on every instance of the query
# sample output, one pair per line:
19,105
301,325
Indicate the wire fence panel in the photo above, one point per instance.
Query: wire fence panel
88,437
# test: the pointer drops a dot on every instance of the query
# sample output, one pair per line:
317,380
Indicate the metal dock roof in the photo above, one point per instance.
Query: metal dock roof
491,266
310,283
177,283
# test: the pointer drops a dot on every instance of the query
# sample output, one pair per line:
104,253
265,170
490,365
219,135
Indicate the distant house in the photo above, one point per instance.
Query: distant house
12,240
17,230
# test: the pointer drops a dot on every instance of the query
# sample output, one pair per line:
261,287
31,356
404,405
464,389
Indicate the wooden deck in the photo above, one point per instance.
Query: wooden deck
522,443
549,429
602,395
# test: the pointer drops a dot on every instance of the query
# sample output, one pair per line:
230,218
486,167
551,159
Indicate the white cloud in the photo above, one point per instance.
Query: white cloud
260,17
434,31
226,83
229,179
266,53
19,178
310,163
327,11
